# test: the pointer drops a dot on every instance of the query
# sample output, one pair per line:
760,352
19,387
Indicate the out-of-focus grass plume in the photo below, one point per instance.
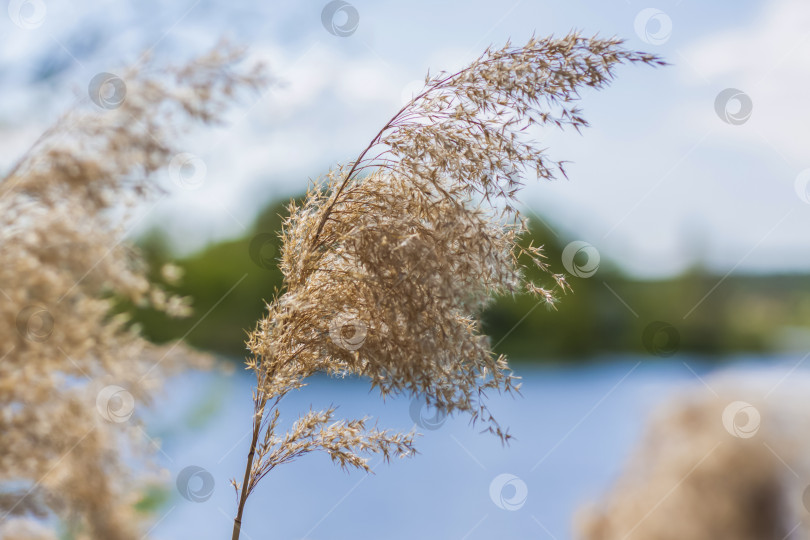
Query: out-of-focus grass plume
712,466
73,372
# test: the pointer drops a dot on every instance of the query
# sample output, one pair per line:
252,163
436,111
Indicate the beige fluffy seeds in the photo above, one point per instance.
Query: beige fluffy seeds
387,265
388,262
73,375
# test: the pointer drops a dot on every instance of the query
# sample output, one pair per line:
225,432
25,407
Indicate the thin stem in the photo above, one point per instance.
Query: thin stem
391,123
373,142
237,522
377,138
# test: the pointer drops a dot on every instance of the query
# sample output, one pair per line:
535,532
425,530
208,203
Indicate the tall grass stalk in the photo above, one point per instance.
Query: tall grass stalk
389,261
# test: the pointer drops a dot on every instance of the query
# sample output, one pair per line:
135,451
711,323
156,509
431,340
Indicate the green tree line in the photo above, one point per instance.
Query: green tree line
609,312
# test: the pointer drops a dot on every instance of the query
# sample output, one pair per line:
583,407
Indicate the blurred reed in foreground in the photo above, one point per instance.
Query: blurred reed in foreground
73,373
714,466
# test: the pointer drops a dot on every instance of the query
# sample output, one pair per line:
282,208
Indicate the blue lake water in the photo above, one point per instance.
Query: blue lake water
573,428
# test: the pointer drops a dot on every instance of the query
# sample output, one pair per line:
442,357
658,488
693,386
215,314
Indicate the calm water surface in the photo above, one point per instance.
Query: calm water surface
573,428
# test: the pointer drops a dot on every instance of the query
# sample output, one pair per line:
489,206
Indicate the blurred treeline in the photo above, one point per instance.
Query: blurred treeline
607,313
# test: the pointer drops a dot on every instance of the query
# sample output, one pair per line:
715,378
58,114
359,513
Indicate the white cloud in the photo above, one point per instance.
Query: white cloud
768,59
638,174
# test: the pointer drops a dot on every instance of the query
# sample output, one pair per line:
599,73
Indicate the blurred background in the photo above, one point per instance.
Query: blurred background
683,226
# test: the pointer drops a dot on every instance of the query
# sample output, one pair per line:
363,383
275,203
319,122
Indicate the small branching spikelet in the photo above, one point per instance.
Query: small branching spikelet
72,372
389,262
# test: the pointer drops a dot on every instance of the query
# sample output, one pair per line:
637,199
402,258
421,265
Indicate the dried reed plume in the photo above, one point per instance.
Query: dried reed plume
71,370
389,262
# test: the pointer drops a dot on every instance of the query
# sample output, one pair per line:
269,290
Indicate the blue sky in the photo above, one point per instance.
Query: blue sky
659,182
